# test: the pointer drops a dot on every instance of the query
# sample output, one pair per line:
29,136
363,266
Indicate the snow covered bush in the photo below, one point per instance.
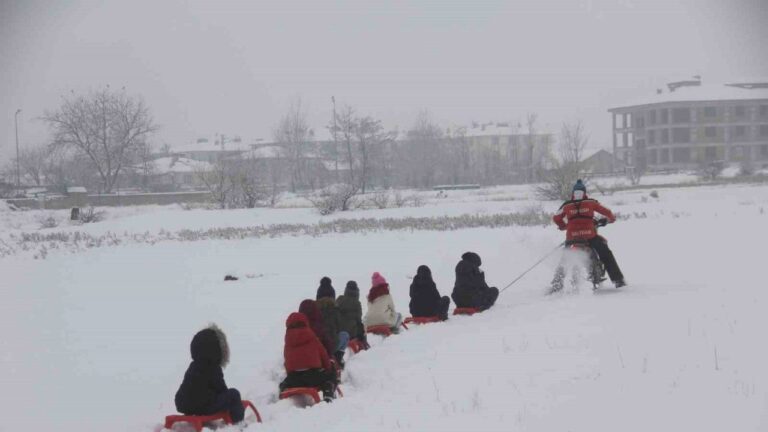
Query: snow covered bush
710,170
47,221
90,215
380,199
412,200
558,182
746,168
337,197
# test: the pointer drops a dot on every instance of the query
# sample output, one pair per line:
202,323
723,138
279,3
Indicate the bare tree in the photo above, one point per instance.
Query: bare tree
345,129
530,122
109,127
635,174
558,181
371,138
217,182
458,158
33,163
424,138
573,142
293,133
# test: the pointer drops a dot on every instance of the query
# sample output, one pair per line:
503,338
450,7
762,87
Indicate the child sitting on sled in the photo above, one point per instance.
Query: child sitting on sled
381,308
425,299
351,314
326,302
306,360
203,391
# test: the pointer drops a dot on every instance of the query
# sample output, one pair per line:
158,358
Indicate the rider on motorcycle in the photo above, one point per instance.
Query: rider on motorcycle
576,217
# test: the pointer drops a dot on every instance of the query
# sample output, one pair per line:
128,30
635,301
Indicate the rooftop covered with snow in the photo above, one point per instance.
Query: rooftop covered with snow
732,91
179,165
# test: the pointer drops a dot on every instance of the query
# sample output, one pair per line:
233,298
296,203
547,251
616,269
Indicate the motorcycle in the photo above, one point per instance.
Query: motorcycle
595,270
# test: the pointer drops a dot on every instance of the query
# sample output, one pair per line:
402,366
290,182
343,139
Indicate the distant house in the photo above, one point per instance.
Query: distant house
211,150
691,123
175,173
604,162
520,153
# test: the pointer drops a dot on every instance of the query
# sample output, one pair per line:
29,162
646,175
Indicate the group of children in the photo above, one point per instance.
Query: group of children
317,335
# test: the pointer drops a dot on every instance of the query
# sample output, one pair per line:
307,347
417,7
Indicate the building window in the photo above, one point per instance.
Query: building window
664,136
681,115
664,156
710,132
763,110
652,117
681,135
664,116
710,112
710,153
739,111
651,137
738,133
652,160
640,122
764,130
187,179
681,155
764,151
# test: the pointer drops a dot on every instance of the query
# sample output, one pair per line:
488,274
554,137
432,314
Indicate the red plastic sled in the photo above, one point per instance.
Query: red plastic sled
312,392
421,320
197,421
465,311
382,330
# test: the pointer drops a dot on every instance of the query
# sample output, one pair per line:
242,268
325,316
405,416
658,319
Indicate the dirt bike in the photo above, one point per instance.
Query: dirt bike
594,267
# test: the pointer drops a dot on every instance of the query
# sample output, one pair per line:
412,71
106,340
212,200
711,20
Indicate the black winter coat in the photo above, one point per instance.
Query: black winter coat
204,379
331,320
350,316
470,281
425,299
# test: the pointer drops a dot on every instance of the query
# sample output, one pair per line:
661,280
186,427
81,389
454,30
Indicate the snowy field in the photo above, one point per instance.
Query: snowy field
97,339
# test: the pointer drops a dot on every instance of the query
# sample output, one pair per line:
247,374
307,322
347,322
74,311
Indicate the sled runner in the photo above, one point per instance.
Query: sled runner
198,421
311,392
465,311
382,330
421,320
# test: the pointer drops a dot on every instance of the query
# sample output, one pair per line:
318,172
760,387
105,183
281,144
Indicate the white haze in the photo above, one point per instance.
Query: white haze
233,67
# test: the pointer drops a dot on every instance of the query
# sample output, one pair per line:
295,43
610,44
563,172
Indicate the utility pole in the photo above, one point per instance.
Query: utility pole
335,143
18,166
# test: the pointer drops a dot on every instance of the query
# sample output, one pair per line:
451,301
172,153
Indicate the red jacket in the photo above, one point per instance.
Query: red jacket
577,218
302,348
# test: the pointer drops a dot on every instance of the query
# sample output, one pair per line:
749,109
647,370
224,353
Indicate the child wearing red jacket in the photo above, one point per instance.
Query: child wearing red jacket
577,218
306,360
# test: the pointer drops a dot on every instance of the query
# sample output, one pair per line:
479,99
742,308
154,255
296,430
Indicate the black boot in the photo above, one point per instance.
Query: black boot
339,356
329,392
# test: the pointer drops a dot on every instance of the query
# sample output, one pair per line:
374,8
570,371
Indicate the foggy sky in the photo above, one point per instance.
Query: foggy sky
233,67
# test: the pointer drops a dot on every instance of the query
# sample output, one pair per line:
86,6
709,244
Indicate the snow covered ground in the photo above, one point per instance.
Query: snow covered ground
98,340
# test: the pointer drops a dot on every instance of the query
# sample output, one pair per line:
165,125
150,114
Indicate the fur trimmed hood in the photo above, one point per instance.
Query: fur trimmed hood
210,345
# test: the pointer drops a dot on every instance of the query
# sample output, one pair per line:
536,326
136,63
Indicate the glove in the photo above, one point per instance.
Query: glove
364,343
562,228
602,222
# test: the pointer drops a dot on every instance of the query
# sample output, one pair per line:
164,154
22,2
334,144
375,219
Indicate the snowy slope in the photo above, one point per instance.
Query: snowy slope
99,340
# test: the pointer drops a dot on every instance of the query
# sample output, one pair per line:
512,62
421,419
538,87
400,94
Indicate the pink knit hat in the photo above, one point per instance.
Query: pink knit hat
377,279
